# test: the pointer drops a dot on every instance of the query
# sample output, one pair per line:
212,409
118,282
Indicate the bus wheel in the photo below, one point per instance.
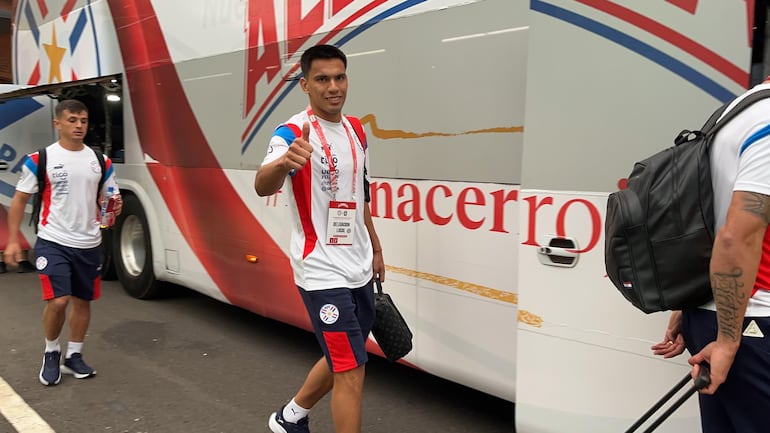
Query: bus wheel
132,251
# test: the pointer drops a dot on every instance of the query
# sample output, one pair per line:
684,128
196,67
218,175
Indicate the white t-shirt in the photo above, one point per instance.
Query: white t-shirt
740,161
318,266
69,214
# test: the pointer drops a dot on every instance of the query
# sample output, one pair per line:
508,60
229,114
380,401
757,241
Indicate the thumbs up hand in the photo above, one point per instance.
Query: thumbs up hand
299,151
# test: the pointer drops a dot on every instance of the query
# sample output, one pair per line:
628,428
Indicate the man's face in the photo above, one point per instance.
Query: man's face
327,85
72,126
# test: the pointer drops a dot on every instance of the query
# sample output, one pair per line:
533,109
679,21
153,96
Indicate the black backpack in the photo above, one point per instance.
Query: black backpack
37,200
660,230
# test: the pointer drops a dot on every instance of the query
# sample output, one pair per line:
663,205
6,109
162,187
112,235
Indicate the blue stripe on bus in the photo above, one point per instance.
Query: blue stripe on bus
385,14
642,48
394,10
32,23
16,109
96,41
77,31
7,189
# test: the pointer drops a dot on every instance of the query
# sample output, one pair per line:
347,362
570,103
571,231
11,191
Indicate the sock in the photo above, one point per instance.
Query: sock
293,412
52,345
73,347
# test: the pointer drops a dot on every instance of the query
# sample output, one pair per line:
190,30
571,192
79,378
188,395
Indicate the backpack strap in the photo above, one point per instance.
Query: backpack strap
42,162
358,128
714,123
103,165
37,200
740,106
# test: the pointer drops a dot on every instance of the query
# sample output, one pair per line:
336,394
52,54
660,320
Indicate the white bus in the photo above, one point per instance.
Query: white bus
496,129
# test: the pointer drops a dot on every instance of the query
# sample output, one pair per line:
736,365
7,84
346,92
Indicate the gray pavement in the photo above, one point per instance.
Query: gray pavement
189,364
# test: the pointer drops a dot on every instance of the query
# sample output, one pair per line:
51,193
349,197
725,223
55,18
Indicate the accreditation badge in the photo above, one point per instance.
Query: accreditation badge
342,218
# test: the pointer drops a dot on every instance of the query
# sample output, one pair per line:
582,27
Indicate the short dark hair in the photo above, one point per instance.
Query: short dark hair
320,52
73,105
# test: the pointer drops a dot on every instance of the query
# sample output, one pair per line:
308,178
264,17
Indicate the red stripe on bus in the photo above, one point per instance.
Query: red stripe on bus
68,7
324,40
672,36
196,190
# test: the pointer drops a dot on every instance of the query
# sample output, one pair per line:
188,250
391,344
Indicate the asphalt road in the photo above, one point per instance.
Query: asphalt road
189,364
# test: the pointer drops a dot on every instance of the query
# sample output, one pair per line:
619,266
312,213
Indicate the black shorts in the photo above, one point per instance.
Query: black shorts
342,319
66,271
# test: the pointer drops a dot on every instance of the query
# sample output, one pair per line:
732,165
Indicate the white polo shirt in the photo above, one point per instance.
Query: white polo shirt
69,214
740,161
317,265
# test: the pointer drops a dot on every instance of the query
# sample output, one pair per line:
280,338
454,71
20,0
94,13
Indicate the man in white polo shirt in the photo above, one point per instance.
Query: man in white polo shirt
732,333
335,252
68,248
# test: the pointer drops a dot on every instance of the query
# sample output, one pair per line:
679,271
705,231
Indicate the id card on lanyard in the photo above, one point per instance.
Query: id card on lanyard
341,221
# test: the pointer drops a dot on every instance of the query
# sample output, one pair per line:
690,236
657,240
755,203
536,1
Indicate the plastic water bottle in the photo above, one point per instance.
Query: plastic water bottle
107,213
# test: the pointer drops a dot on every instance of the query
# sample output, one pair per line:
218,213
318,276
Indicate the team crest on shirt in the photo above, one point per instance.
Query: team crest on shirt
41,263
95,167
329,314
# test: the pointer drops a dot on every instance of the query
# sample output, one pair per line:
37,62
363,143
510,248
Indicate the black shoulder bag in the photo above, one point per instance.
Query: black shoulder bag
390,329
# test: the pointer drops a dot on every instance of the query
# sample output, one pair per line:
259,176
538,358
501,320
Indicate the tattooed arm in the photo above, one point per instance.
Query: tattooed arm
734,263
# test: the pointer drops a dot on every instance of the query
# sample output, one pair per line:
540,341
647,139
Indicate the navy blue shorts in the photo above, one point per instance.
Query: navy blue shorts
66,271
342,320
740,404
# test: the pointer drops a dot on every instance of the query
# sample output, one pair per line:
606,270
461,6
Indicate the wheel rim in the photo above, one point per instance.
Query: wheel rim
132,246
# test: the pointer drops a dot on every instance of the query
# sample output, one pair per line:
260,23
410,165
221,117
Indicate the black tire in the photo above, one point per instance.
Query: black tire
132,251
108,264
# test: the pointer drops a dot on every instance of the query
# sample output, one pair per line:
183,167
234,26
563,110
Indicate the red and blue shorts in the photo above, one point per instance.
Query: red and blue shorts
342,319
66,271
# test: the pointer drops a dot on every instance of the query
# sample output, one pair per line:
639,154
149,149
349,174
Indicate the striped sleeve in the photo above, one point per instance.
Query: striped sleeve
28,180
282,138
754,158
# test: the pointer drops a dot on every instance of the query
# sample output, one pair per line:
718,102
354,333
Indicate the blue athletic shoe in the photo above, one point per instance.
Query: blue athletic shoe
50,373
279,425
75,366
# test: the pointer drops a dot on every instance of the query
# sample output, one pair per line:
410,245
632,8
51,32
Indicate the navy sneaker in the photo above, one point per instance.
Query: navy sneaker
279,425
75,366
50,374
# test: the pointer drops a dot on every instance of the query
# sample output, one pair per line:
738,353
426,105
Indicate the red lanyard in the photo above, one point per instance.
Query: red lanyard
327,150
